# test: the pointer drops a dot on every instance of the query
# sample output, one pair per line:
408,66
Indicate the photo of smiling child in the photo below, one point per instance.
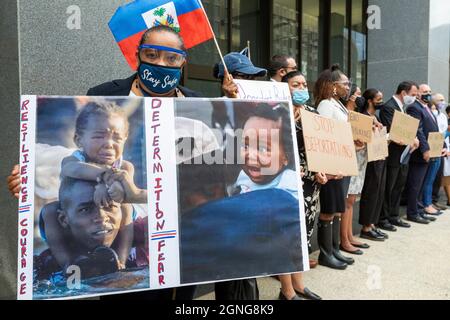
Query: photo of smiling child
91,227
248,221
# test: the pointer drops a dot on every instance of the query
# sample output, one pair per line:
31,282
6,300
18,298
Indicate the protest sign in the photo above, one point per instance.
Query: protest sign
378,148
403,128
329,145
263,90
184,169
436,143
361,126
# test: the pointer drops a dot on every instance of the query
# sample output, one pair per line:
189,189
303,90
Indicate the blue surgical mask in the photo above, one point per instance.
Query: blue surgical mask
159,79
300,97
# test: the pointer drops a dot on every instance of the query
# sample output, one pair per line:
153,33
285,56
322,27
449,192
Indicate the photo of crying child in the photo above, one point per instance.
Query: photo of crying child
91,227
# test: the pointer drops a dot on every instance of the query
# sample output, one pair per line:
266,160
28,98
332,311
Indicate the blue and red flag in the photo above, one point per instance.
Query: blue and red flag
131,21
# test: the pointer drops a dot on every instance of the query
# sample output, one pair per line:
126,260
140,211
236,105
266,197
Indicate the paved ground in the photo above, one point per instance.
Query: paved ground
413,264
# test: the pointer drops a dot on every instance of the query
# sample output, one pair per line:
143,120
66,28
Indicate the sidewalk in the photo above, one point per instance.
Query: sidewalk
412,264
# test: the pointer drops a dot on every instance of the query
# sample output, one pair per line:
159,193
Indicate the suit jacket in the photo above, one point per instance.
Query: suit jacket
386,117
122,87
428,123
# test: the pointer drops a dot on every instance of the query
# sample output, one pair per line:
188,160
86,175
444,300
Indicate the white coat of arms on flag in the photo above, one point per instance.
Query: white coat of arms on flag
163,15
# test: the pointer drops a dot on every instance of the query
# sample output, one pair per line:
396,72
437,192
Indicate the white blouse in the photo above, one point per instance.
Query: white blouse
333,109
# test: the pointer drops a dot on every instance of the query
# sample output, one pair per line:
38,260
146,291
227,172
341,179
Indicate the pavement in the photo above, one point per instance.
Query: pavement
413,264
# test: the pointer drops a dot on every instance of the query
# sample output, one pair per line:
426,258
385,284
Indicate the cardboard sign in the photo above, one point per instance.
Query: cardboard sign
403,128
263,90
361,126
329,145
436,143
183,169
378,148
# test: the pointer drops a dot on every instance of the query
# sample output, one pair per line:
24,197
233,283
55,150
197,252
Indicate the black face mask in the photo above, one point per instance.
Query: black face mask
426,98
379,105
360,102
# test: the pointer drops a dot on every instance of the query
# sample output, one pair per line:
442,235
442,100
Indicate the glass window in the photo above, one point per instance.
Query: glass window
246,24
339,34
358,44
285,28
311,51
203,57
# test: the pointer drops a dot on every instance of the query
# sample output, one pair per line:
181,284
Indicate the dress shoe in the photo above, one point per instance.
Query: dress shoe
427,217
308,294
282,297
371,235
437,213
439,206
385,235
356,252
400,223
387,226
313,263
418,219
361,246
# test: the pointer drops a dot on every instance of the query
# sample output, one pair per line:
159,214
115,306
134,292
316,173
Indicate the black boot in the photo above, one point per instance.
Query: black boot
325,240
337,240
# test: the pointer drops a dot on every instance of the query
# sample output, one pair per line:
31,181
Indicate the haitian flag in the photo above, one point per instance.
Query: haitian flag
131,21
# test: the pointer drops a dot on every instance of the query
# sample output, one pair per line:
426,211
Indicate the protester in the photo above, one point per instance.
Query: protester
238,66
438,108
356,183
372,194
420,160
162,53
292,285
280,66
396,173
332,85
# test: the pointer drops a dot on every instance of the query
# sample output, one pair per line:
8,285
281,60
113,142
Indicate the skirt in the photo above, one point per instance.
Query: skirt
333,195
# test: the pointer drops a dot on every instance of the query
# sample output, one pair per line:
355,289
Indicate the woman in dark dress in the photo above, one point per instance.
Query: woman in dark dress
292,285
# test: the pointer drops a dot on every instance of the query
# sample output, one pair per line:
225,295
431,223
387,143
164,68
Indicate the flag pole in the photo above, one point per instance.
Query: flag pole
249,53
215,39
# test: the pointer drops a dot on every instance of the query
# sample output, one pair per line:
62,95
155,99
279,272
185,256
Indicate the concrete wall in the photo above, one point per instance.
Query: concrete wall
9,95
399,50
439,47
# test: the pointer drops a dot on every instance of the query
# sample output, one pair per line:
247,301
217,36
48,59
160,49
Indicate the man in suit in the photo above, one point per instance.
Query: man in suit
419,162
396,173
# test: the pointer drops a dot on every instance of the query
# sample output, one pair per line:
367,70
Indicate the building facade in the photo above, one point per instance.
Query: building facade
64,47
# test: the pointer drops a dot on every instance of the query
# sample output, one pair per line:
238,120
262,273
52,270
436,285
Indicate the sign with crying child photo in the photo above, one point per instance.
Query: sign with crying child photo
130,194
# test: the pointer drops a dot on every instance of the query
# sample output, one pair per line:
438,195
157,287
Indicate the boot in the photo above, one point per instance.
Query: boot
337,240
325,240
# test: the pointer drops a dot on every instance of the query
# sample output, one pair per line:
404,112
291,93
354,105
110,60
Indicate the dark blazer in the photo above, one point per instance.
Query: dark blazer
428,123
386,117
122,87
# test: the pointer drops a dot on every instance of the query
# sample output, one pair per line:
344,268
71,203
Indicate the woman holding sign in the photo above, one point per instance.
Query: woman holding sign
331,86
292,285
375,182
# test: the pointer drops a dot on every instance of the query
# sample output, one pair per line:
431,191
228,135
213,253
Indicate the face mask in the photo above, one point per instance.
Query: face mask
436,113
379,105
426,98
441,106
300,97
408,100
360,102
159,79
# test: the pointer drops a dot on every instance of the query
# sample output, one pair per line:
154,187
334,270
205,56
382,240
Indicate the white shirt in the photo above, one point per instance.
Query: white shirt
442,122
333,109
400,104
286,181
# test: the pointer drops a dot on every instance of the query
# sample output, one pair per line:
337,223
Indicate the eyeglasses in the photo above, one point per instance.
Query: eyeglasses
153,54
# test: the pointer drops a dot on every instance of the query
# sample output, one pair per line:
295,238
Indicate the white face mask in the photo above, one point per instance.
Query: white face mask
435,112
408,100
